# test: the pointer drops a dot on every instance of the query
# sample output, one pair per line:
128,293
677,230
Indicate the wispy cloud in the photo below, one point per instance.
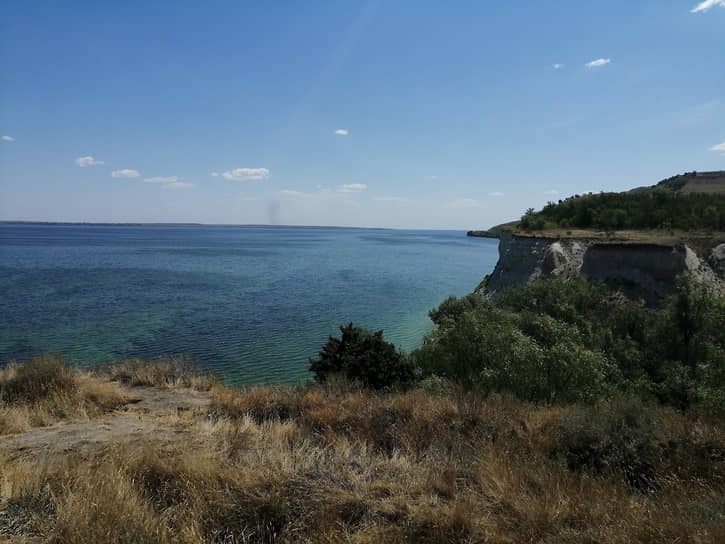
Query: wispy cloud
718,147
551,192
246,174
177,185
398,199
169,179
706,5
496,193
558,66
7,138
125,173
391,199
352,188
342,132
215,174
463,203
598,62
293,194
87,161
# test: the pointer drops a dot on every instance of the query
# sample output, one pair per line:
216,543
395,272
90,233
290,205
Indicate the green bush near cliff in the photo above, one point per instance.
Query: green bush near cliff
362,356
569,340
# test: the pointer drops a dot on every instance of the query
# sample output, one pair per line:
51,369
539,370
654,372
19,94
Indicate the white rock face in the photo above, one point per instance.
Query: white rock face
645,271
717,260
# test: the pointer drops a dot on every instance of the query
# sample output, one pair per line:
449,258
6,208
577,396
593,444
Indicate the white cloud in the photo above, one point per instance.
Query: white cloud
177,185
215,174
169,179
352,188
8,138
246,174
496,193
558,66
706,5
126,173
598,62
718,147
463,203
87,161
342,132
551,192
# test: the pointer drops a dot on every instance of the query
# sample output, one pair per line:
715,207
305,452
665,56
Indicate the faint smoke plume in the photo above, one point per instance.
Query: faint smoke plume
273,212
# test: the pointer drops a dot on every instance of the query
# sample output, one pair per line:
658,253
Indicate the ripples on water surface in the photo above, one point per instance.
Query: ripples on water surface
251,304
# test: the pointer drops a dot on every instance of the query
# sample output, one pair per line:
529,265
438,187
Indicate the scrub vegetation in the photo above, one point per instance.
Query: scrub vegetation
337,462
569,340
665,206
555,412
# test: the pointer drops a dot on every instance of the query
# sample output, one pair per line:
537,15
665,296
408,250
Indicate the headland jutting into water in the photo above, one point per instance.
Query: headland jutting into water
547,406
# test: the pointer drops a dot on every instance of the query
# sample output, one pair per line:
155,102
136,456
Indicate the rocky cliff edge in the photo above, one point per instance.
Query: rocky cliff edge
640,270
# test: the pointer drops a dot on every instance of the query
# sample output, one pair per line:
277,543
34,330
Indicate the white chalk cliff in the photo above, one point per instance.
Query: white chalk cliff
641,270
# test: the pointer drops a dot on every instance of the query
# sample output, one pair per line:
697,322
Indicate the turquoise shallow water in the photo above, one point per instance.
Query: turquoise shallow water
249,303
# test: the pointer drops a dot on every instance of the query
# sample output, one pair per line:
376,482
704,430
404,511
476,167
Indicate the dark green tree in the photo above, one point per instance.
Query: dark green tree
362,355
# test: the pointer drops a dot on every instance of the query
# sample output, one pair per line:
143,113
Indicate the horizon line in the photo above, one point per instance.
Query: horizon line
195,224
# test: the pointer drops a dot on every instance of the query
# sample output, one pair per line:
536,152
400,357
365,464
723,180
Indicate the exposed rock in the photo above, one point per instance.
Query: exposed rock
717,260
523,259
647,271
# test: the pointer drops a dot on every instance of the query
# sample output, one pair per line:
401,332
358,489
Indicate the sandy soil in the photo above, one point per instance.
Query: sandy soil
153,415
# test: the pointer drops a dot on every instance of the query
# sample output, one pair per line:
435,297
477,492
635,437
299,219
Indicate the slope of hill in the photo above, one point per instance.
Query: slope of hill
696,182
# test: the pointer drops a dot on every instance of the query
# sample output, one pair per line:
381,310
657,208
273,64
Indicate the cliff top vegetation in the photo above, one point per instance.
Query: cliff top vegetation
686,203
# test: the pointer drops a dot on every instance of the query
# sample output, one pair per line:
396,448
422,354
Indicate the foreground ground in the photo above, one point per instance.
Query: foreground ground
151,453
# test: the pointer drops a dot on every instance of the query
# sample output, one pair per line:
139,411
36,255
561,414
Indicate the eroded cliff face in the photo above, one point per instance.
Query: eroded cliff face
647,271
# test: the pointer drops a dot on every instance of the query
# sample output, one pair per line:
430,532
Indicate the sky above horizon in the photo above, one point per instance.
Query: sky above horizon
418,114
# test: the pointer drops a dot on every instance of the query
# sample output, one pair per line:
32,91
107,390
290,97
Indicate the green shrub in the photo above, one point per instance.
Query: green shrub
566,339
615,437
364,356
533,356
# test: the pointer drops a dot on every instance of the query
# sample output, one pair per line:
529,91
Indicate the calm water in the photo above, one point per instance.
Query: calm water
251,304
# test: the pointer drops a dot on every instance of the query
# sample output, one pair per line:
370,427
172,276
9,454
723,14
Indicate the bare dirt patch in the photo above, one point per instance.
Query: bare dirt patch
152,416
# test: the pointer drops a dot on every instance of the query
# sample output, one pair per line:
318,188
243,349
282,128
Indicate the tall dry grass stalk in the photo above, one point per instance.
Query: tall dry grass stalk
167,373
336,464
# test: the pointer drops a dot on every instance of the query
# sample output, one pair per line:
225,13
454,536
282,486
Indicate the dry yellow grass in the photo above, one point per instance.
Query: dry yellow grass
168,373
44,391
652,236
339,464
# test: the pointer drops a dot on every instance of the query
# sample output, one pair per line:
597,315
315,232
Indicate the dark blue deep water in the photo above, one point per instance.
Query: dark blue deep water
251,304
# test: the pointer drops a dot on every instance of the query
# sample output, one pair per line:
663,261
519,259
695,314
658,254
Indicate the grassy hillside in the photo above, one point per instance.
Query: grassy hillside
696,182
339,463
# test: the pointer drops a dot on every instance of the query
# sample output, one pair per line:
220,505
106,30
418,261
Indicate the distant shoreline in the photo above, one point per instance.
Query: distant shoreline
244,226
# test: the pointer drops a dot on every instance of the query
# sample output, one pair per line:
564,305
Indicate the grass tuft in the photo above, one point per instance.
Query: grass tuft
165,373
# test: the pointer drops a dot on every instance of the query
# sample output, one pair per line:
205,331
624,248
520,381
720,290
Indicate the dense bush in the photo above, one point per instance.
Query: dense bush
563,340
623,437
363,356
609,438
649,209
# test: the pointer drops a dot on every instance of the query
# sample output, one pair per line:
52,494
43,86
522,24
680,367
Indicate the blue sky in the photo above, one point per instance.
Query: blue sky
393,114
